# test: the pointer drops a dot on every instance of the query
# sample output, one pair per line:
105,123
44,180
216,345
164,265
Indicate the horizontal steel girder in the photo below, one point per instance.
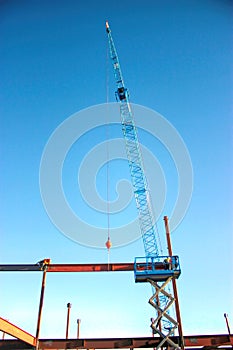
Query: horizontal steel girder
194,341
70,267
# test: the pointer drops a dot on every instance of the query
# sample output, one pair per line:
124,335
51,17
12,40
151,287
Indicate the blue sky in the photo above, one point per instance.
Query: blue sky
176,58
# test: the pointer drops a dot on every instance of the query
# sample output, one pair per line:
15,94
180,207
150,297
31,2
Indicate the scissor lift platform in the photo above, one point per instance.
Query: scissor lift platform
157,269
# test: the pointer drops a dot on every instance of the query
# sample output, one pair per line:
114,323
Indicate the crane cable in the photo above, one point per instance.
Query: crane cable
108,244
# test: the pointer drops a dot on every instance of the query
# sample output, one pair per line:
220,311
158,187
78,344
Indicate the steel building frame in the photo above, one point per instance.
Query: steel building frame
28,341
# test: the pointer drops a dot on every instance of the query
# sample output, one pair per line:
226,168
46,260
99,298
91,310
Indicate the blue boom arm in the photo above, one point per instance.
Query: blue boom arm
139,182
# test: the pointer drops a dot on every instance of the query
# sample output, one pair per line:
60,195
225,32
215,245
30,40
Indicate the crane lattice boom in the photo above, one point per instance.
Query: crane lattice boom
139,182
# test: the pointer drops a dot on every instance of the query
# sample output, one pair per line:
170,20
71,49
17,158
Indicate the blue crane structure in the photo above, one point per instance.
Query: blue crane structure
139,182
154,268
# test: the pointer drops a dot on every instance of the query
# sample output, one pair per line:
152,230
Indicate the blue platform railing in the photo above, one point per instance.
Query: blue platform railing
156,268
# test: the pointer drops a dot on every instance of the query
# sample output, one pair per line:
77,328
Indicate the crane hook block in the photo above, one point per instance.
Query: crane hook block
108,244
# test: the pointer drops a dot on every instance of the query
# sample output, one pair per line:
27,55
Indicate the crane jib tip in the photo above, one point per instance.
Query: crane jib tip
107,26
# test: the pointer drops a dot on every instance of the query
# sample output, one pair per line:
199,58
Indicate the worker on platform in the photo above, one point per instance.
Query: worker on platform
168,263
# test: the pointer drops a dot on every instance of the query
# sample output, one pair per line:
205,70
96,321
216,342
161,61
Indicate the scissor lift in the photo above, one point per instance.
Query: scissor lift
159,271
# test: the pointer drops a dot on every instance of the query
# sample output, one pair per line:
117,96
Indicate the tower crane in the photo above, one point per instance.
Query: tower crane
153,268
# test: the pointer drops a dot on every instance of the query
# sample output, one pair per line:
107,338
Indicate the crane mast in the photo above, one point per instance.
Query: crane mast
139,182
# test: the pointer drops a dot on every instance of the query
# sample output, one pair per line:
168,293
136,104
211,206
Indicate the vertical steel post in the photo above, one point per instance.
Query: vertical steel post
68,320
177,306
44,267
78,327
227,323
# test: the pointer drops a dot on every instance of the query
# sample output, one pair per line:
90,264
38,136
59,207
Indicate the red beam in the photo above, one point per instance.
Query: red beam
208,340
90,267
70,267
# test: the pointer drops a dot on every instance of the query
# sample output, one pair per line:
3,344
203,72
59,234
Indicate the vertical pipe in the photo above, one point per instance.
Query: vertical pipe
68,320
227,323
78,327
177,306
41,305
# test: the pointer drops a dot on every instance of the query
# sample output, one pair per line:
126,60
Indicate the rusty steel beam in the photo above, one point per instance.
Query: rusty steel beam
11,329
208,340
90,267
71,267
191,342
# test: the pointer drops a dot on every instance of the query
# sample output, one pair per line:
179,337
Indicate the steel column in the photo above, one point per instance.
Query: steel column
177,306
78,327
68,320
44,267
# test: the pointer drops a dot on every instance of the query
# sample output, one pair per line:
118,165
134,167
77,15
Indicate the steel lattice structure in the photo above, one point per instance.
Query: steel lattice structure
139,182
